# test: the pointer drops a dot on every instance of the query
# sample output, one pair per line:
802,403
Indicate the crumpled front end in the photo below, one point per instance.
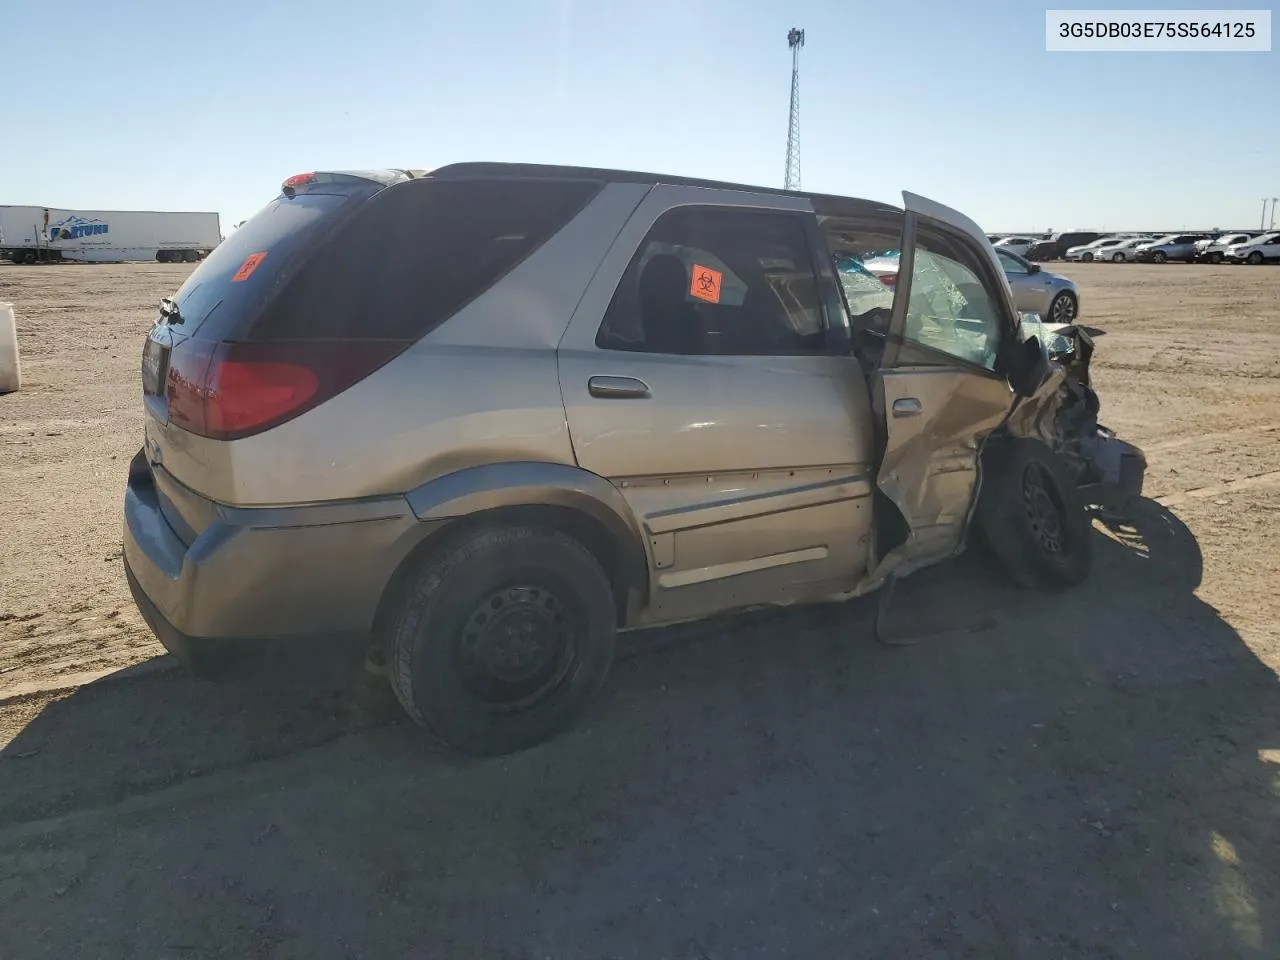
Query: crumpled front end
1064,414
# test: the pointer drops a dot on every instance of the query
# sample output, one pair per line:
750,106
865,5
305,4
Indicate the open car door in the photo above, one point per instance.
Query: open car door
941,387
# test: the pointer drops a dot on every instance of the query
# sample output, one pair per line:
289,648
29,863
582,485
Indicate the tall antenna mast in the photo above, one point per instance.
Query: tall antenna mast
795,40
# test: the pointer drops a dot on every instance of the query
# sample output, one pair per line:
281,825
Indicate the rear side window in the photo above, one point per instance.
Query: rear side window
415,254
712,280
250,265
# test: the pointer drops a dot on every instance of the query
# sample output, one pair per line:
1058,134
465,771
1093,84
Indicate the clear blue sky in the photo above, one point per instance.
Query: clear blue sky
208,106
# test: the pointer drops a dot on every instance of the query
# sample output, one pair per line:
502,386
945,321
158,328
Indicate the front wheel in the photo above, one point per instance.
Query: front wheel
1086,257
1160,256
1255,258
1117,258
1030,516
1215,257
500,641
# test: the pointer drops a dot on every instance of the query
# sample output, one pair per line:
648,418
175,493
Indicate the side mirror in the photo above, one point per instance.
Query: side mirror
1029,367
1033,268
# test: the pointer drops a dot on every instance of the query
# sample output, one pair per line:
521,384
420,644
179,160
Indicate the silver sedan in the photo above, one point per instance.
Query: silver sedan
1035,290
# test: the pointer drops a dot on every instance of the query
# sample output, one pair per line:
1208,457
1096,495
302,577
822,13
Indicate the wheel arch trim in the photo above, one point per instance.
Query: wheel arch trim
488,487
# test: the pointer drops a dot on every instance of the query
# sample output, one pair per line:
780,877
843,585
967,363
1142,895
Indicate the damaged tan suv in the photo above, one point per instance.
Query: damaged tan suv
483,418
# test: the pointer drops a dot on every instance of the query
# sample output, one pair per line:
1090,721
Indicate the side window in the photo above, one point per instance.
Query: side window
415,254
1012,266
950,310
714,280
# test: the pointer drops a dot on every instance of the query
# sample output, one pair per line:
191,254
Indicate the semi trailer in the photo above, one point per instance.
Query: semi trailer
36,234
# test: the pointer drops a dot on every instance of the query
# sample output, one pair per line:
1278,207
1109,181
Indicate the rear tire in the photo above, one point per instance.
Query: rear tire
1030,516
1063,308
1256,258
26,257
498,643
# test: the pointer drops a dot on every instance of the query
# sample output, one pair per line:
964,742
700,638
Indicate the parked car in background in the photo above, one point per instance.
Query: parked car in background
1018,245
1255,250
1056,246
1095,250
1214,250
1179,246
587,401
1036,290
1122,251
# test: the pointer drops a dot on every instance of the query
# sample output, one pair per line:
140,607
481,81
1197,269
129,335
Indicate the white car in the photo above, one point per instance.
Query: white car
1018,245
1098,250
1121,251
1213,250
1255,251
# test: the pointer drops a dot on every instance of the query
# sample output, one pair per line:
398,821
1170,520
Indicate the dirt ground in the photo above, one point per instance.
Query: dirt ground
1094,776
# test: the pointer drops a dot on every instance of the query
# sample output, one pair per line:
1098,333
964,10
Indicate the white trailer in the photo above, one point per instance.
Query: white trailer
31,234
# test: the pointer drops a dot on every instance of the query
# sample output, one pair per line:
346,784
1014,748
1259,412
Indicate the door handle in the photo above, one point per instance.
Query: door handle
907,407
617,388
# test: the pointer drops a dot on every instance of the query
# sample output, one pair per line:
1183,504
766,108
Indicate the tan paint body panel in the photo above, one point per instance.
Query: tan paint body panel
749,475
481,388
930,465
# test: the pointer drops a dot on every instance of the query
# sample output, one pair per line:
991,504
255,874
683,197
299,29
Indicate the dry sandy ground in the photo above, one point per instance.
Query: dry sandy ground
1096,776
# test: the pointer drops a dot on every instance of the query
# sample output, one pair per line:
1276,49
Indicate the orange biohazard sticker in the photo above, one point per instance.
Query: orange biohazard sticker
705,284
246,269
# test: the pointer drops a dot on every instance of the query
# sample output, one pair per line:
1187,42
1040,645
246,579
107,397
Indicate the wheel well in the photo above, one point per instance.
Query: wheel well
624,564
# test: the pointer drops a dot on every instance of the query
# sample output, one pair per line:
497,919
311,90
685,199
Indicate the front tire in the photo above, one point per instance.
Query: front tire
1031,518
1160,257
497,644
1117,258
1086,257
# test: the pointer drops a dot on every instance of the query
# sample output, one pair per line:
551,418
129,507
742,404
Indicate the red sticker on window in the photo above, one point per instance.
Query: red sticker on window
246,269
705,284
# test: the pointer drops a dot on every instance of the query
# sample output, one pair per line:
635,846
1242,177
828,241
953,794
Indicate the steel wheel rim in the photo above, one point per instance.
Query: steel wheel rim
1046,512
516,648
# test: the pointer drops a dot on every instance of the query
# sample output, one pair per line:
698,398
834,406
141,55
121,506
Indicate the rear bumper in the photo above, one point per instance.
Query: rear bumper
263,573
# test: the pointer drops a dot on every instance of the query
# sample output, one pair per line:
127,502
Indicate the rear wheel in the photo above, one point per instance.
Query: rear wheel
26,256
1063,308
497,644
1255,258
1030,516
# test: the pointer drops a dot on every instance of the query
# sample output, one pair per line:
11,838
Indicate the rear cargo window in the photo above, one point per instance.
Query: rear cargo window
214,306
415,254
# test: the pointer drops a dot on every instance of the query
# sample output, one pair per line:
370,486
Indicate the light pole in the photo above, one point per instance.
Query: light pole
1263,224
1273,213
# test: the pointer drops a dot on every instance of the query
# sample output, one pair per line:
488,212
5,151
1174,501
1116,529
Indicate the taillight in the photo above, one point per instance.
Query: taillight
297,180
226,391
